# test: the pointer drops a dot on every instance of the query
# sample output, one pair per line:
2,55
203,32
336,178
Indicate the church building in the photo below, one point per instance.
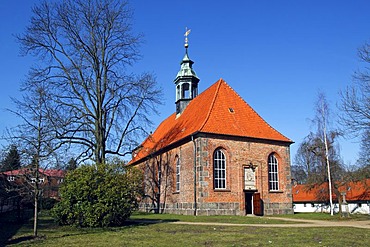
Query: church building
214,155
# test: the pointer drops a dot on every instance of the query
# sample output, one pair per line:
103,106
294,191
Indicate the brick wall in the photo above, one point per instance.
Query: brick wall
240,153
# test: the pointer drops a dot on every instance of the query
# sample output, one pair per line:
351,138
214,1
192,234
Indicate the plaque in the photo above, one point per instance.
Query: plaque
249,179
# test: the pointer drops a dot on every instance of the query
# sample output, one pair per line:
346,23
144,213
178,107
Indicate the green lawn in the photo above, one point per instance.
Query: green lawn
157,230
219,219
325,216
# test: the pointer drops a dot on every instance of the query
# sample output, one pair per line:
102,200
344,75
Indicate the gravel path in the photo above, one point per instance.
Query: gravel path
297,223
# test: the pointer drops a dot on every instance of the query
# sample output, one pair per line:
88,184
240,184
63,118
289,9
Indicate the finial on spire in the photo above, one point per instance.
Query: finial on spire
187,32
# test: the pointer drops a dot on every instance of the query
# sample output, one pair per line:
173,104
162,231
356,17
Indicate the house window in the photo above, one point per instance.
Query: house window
41,180
177,174
273,173
219,169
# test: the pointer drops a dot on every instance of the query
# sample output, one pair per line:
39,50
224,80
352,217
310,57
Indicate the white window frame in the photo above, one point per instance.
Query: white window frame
178,172
219,169
273,170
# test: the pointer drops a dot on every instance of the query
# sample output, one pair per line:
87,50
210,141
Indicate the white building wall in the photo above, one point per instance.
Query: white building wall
354,208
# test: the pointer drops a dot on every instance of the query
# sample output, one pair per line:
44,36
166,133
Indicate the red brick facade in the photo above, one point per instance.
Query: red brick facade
204,199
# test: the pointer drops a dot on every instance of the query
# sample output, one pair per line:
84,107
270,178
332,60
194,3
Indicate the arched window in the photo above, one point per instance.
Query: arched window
177,174
273,173
219,169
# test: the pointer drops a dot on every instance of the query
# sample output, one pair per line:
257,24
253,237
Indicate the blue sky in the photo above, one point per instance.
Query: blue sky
276,55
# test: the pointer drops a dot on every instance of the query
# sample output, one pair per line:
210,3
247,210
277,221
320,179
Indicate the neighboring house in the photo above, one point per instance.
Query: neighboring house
316,199
214,156
49,180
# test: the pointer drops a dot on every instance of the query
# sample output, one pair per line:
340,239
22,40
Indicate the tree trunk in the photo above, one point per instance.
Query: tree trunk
329,174
35,214
340,203
324,116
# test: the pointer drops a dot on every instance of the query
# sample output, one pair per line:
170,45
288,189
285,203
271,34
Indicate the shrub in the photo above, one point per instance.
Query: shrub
98,195
48,203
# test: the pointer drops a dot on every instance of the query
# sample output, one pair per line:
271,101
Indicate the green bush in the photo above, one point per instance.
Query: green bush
48,203
98,196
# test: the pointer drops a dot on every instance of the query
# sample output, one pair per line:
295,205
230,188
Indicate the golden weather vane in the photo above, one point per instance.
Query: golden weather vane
187,32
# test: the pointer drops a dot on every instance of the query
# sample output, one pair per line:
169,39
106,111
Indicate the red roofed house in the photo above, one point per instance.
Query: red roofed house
316,199
214,156
49,179
20,183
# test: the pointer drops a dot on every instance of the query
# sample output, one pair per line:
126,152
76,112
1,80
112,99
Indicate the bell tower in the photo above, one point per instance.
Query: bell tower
186,80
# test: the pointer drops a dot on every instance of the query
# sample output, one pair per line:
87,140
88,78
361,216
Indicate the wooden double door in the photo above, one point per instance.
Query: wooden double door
253,203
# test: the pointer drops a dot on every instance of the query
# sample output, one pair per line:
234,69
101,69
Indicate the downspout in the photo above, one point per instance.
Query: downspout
195,175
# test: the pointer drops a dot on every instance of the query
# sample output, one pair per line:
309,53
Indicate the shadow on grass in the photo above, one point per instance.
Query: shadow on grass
11,222
50,230
143,222
22,239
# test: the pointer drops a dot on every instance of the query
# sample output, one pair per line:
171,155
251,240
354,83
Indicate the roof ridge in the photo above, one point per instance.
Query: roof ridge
212,104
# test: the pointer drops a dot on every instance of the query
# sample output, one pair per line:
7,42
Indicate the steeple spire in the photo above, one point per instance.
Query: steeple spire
186,80
187,32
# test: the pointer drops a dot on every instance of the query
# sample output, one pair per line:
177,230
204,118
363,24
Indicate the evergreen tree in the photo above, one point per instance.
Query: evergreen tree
72,165
12,161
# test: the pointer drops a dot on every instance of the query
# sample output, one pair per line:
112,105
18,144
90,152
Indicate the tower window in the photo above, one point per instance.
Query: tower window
177,93
185,91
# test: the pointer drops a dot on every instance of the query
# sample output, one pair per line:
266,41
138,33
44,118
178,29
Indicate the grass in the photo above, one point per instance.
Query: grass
215,219
157,230
325,216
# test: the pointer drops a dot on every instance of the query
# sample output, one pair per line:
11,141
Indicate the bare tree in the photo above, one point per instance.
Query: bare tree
85,47
322,119
364,160
35,137
158,180
355,103
318,155
305,161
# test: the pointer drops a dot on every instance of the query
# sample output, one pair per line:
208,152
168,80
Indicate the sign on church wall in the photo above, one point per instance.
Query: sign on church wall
249,179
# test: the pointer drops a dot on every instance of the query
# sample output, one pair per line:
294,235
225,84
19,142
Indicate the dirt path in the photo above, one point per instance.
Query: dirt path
297,223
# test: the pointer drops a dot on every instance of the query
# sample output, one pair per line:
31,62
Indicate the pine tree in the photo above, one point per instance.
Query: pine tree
12,161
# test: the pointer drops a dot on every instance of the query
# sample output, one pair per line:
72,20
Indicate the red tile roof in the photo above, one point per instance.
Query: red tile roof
218,110
46,172
305,193
355,191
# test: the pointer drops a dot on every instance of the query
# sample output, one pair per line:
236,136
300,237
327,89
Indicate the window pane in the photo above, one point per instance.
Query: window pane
177,174
219,170
273,173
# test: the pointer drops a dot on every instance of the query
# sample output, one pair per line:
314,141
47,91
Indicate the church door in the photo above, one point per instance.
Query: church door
257,204
248,203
